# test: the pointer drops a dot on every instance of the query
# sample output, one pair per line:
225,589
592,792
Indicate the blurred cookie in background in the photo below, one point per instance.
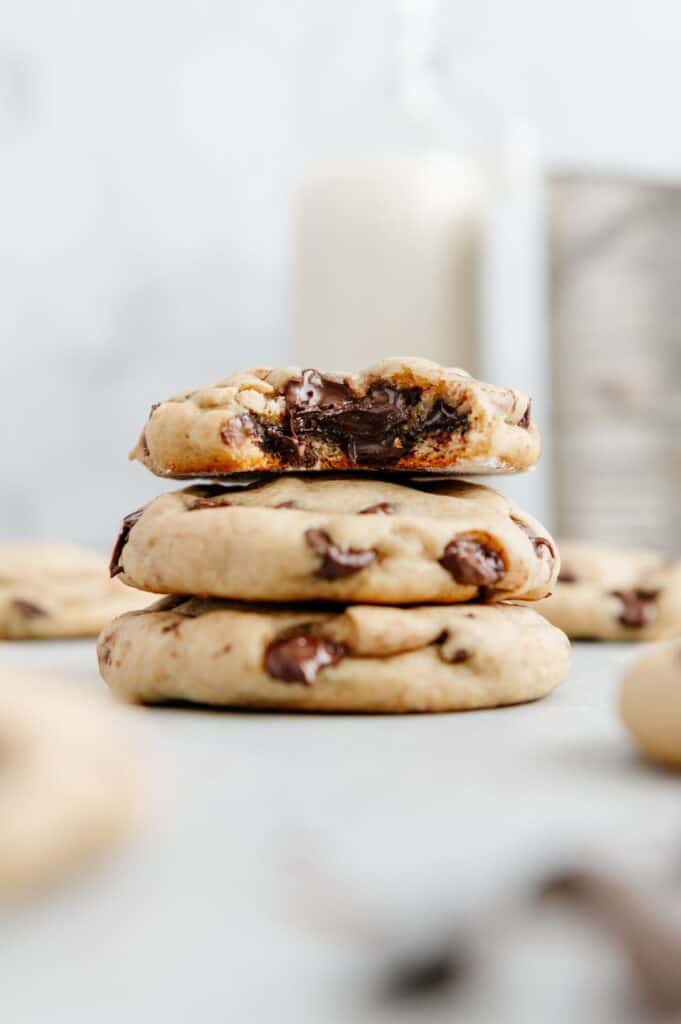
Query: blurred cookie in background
650,703
69,789
58,590
616,594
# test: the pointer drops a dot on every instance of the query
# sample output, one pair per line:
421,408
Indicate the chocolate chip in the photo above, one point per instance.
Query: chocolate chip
153,410
472,563
296,656
115,566
459,655
286,504
28,609
537,542
638,607
336,563
567,576
446,417
383,508
524,421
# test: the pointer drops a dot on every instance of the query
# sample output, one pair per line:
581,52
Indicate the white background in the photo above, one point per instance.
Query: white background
146,152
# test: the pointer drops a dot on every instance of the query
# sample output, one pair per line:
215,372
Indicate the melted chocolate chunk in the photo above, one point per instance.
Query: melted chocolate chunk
28,609
336,563
383,508
275,442
297,656
526,417
445,417
472,563
115,566
374,452
377,428
286,504
638,607
567,576
365,427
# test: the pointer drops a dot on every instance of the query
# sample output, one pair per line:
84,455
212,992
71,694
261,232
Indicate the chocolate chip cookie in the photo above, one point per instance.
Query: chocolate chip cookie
69,787
650,702
400,414
607,593
361,658
56,590
337,539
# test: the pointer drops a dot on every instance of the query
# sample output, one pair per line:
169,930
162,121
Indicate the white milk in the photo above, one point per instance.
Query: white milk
386,263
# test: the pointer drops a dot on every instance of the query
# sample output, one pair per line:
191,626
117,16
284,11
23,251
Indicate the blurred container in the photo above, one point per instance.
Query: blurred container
424,235
615,314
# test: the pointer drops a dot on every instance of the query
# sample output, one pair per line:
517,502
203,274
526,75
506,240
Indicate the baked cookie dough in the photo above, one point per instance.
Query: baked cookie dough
615,594
400,414
56,590
69,789
650,702
361,658
338,539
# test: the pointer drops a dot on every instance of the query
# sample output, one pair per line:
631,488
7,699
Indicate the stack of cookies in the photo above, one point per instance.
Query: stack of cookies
335,561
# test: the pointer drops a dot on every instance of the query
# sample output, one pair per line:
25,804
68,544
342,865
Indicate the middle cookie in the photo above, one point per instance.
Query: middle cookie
337,539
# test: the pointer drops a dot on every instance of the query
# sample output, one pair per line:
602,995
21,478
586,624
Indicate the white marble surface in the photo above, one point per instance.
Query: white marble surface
289,855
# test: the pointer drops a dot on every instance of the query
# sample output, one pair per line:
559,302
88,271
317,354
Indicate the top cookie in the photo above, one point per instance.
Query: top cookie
401,414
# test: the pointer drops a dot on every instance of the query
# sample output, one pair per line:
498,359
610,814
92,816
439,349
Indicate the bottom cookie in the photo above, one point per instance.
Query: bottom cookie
363,658
650,702
68,787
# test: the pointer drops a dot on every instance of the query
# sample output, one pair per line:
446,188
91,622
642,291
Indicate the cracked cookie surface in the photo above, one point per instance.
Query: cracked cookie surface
338,539
400,414
360,658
